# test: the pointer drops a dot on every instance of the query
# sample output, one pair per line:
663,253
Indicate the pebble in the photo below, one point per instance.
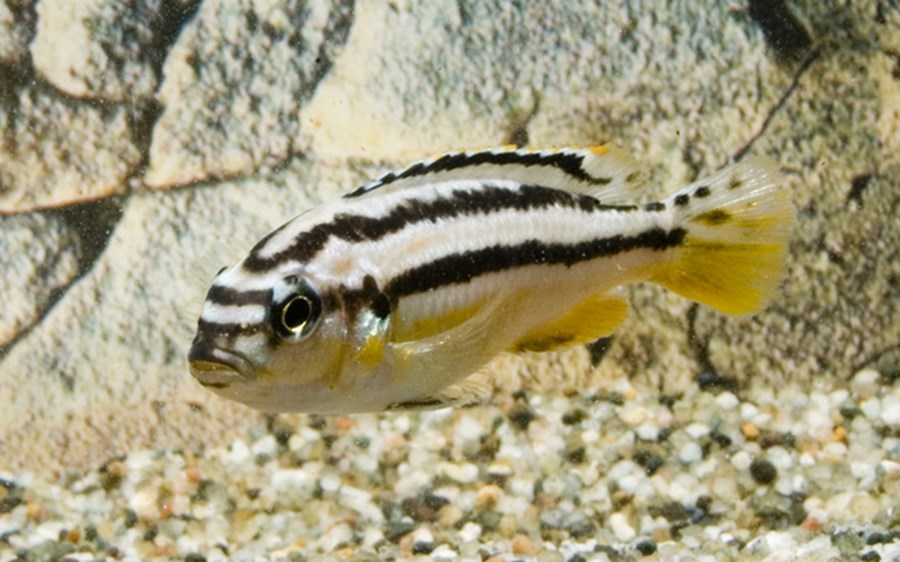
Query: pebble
521,544
691,453
890,413
779,457
623,531
871,408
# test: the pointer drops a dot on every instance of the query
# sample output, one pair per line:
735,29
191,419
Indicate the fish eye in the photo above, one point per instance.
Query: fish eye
296,313
296,308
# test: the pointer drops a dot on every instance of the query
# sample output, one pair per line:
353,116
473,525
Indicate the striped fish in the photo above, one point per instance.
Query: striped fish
391,296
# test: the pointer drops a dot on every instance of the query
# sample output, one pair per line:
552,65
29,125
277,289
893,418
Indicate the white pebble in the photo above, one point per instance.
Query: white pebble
464,473
727,401
422,535
891,469
467,433
334,537
865,473
748,411
330,482
865,381
267,447
780,457
741,460
470,532
817,422
292,487
690,453
697,430
871,408
634,415
834,452
143,503
372,535
779,541
443,552
550,556
820,548
238,453
621,528
838,397
648,431
890,411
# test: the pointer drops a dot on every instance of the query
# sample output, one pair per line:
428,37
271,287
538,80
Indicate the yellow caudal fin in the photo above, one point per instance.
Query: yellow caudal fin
588,321
737,223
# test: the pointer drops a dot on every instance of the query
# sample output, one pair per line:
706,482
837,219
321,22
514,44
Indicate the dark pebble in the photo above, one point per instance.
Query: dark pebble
489,520
646,547
721,439
574,416
598,350
667,400
582,528
521,416
394,531
882,538
424,507
849,411
423,547
650,461
672,511
768,439
763,471
870,556
194,557
713,381
281,430
12,495
575,451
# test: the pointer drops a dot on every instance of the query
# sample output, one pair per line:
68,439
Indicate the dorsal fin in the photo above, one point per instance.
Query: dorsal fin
605,172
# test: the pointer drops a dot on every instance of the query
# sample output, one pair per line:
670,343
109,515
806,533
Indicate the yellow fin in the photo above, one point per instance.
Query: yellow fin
737,225
733,278
588,321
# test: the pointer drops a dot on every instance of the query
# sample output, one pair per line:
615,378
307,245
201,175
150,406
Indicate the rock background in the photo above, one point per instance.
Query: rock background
144,144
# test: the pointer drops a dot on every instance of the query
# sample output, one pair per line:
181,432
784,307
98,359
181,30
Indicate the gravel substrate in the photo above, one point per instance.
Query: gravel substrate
706,475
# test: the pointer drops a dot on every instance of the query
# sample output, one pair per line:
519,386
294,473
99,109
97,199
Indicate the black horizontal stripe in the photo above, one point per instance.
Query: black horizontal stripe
567,162
484,200
227,296
463,267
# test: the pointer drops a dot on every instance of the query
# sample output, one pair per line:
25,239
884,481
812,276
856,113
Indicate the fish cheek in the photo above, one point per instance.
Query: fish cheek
303,365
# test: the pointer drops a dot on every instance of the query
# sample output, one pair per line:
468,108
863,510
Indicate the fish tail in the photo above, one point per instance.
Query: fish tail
736,223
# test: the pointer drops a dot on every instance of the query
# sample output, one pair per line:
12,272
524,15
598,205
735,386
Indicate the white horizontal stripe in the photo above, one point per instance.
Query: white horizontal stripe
230,314
424,242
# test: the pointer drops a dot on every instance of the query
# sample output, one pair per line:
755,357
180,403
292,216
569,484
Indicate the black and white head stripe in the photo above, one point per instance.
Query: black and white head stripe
469,199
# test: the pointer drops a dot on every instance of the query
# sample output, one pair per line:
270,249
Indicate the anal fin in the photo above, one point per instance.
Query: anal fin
587,321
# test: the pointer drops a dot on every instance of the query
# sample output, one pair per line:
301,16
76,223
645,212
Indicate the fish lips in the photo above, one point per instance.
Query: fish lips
218,368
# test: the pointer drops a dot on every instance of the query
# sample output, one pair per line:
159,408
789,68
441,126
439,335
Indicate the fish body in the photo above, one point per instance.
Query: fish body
391,296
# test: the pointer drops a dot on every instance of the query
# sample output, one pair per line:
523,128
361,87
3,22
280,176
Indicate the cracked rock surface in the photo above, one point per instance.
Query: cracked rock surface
144,144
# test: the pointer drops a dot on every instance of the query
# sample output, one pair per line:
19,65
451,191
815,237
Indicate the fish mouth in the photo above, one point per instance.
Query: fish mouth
218,368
